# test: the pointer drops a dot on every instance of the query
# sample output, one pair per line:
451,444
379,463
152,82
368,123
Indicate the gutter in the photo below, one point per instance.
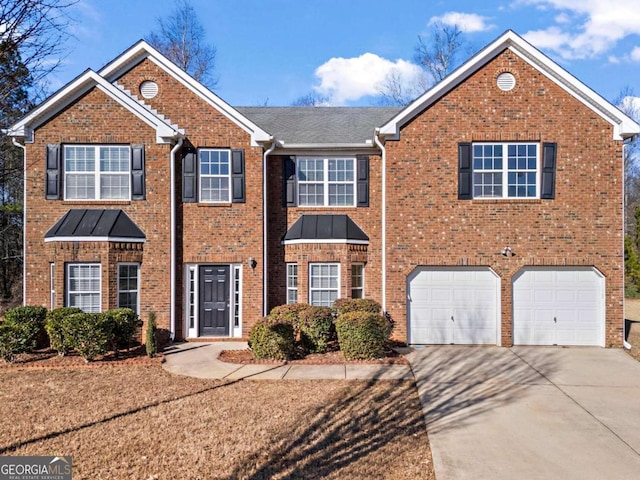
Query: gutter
376,139
172,281
24,218
265,246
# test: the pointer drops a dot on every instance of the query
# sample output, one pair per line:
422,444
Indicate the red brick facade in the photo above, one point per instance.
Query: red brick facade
426,223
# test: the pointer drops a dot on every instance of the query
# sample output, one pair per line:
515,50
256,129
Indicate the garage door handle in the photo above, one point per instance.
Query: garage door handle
452,318
555,320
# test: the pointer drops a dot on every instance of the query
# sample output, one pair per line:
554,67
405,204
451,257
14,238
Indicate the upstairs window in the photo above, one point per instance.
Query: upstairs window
97,172
326,182
505,170
215,176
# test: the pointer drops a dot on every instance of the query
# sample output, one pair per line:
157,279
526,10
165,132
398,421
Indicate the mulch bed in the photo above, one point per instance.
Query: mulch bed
46,358
330,358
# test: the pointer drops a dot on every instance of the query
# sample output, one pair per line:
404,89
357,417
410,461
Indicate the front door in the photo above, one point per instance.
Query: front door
214,301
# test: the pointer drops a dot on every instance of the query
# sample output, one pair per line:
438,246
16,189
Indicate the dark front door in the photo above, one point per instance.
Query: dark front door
214,300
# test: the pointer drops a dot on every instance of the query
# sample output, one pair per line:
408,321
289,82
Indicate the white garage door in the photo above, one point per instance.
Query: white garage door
458,305
558,306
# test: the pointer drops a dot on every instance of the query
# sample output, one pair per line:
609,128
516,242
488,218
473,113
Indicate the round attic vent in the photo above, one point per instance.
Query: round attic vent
506,81
148,89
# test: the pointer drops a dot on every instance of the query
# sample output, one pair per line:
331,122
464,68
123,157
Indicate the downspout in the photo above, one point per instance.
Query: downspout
265,284
24,219
384,218
172,282
625,344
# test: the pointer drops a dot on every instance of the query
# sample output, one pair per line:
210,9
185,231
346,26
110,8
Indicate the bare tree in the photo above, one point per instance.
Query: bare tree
437,56
630,105
38,30
181,38
312,99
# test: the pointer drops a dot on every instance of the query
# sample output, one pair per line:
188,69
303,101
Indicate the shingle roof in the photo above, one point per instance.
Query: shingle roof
325,228
320,125
95,225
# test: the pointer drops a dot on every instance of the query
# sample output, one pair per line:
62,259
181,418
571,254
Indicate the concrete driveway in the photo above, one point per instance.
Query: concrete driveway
530,412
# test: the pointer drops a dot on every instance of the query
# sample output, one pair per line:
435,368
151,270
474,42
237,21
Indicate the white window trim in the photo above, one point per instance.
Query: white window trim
363,279
228,176
138,283
505,171
325,181
52,285
97,173
290,288
323,289
68,281
236,301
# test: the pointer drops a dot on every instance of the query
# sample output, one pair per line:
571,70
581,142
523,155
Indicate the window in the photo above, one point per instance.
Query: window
505,170
128,286
357,280
191,296
83,286
292,283
324,283
326,182
237,287
97,172
215,175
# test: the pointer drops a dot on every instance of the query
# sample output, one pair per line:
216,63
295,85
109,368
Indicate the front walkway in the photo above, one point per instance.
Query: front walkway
201,360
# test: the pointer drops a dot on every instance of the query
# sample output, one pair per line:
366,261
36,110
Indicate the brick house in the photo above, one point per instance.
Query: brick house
490,210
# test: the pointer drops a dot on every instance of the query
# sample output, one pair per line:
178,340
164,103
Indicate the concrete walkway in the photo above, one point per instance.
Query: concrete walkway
530,412
201,360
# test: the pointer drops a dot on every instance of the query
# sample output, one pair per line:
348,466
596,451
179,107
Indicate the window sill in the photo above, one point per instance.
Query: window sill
507,200
96,202
221,204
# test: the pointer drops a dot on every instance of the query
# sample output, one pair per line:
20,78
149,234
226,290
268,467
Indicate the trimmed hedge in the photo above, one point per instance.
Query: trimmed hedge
90,333
57,328
316,328
348,305
20,331
272,339
288,313
362,335
122,324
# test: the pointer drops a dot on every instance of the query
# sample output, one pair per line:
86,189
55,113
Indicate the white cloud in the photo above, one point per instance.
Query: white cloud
467,22
349,79
635,54
596,26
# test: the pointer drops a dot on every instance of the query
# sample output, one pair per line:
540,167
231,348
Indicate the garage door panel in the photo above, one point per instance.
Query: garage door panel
567,307
453,305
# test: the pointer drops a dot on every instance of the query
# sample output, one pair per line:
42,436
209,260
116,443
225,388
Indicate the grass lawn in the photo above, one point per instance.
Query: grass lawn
144,423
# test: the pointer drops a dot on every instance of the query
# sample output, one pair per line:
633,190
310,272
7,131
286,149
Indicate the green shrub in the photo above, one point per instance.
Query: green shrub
90,333
270,339
122,324
289,313
316,328
14,340
347,305
362,335
150,337
57,328
31,320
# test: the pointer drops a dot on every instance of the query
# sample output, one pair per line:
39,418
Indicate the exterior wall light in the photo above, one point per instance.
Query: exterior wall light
508,252
252,262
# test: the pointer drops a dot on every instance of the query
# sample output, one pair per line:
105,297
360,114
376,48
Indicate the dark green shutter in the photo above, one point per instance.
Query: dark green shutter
289,181
465,172
52,181
237,177
189,177
548,184
137,172
363,180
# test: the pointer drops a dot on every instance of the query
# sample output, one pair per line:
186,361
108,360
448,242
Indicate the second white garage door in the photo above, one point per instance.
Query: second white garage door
558,306
453,305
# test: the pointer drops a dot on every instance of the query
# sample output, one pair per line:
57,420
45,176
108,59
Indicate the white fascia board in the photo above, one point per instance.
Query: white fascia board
314,149
624,126
76,89
142,50
325,240
95,239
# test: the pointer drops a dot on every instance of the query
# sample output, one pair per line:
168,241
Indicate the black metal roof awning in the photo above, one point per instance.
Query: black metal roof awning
95,225
325,229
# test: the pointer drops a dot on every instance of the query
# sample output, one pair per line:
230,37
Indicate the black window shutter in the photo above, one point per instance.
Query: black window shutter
137,172
52,182
363,180
289,181
189,177
465,172
237,177
548,187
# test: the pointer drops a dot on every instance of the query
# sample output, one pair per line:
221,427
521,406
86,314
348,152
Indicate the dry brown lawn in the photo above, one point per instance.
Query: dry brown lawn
144,423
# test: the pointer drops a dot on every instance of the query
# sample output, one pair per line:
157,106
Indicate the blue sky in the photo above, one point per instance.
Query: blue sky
273,52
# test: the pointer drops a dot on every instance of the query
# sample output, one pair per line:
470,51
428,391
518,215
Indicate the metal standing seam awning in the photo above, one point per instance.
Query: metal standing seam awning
95,225
325,229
